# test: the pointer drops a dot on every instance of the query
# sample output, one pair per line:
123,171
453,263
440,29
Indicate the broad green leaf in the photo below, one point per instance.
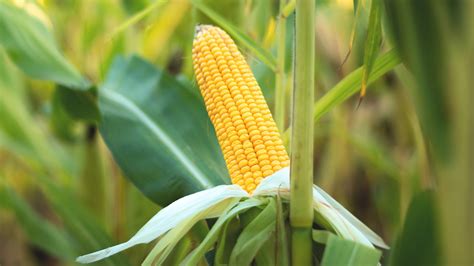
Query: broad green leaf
262,54
352,82
79,105
40,232
340,251
158,132
254,235
372,43
418,243
30,44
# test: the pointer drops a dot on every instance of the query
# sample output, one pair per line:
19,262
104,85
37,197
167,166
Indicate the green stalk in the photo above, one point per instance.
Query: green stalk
301,204
280,81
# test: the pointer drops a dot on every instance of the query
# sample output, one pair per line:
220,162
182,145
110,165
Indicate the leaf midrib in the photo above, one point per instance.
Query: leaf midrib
160,134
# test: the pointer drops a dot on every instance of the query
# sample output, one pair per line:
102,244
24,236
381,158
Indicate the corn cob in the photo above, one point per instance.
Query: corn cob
247,134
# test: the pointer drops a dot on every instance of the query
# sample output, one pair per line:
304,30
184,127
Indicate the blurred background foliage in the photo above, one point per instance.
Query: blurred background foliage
402,161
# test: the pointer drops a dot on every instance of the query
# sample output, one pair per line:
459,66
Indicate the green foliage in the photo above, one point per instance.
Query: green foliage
79,105
372,43
158,132
352,82
41,232
418,242
344,252
30,44
254,235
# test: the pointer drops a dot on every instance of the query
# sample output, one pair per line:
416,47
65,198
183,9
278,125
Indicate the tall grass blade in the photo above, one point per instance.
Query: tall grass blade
372,43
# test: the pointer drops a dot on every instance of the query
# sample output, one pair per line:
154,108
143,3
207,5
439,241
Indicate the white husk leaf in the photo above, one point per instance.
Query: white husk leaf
171,216
166,244
368,233
178,217
345,224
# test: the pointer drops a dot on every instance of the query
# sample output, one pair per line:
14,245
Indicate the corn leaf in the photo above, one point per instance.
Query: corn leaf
345,252
167,157
254,235
352,82
226,242
79,105
418,243
30,44
321,236
372,43
262,54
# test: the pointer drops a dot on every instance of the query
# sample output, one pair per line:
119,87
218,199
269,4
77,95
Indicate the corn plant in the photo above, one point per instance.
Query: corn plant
216,141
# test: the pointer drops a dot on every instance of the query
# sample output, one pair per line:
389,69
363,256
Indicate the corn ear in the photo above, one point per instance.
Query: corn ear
248,136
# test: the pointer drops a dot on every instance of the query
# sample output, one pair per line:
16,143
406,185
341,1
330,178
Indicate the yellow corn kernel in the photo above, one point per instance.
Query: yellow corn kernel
244,126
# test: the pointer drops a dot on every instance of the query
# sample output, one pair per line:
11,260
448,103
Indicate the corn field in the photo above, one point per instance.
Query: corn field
237,132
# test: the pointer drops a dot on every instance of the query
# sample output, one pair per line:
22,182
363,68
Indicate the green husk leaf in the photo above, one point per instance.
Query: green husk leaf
322,236
340,251
254,235
197,254
226,242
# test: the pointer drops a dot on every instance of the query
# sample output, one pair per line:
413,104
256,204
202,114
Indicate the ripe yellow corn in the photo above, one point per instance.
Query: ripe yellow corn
245,129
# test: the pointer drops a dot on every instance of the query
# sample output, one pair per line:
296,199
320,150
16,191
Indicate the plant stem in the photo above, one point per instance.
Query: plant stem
301,204
280,80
